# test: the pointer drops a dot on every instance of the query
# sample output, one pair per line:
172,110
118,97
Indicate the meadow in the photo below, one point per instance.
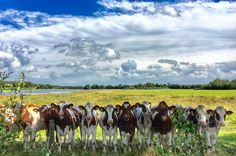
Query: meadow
226,143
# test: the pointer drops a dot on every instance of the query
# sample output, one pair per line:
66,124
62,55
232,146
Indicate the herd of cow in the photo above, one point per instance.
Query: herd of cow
148,120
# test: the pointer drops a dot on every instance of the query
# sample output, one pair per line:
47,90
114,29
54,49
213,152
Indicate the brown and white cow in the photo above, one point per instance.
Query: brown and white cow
31,123
89,123
161,123
215,122
109,122
67,120
126,124
144,122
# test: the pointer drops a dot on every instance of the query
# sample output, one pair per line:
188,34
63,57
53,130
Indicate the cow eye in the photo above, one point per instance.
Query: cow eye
197,116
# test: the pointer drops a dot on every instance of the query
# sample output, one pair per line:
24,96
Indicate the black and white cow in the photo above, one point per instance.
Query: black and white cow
109,123
89,123
216,121
198,117
144,122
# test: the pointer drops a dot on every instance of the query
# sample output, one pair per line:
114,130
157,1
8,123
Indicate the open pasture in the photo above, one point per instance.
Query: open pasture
226,143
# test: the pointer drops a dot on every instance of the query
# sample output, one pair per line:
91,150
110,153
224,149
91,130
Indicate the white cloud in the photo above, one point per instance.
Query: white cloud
92,49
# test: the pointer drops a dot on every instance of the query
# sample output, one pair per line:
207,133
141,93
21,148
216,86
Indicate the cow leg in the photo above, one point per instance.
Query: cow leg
123,140
169,139
26,138
81,134
213,142
208,141
104,141
115,141
131,141
65,138
94,138
84,137
32,137
149,139
71,138
59,139
47,135
187,140
139,139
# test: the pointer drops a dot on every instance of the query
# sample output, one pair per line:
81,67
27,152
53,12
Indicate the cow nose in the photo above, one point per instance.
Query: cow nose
202,123
89,117
61,114
164,118
110,122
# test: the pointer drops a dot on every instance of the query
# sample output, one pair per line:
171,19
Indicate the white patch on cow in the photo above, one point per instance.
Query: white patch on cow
72,114
126,105
36,117
137,111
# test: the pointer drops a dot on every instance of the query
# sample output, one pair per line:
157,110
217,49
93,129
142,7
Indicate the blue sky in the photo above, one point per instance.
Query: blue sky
77,42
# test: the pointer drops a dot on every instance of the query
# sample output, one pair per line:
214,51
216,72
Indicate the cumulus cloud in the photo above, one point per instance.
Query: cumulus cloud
14,55
182,36
85,47
129,65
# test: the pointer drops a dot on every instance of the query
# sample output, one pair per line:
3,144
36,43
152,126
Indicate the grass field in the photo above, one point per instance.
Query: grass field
226,144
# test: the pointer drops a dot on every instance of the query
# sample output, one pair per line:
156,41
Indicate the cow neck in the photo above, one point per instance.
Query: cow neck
144,117
91,122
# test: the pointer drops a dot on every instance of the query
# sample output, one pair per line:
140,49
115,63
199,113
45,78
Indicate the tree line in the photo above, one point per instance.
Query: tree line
215,84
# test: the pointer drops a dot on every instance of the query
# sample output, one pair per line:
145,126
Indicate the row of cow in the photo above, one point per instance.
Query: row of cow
148,120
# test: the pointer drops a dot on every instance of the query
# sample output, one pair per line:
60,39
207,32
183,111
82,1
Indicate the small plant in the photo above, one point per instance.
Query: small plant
8,135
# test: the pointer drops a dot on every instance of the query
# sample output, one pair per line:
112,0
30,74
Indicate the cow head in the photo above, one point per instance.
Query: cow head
110,113
220,114
89,110
146,107
162,110
201,115
62,105
54,110
125,111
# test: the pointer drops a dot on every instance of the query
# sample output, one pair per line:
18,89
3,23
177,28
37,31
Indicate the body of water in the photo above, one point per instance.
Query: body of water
46,91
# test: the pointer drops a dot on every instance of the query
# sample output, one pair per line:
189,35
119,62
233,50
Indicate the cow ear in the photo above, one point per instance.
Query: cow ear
172,108
210,111
133,107
70,105
137,104
193,112
229,112
53,104
96,107
102,109
81,107
118,107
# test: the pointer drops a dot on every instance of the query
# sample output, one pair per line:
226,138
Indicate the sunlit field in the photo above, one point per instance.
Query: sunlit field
226,143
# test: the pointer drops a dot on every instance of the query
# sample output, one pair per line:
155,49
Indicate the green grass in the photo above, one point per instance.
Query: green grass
226,144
